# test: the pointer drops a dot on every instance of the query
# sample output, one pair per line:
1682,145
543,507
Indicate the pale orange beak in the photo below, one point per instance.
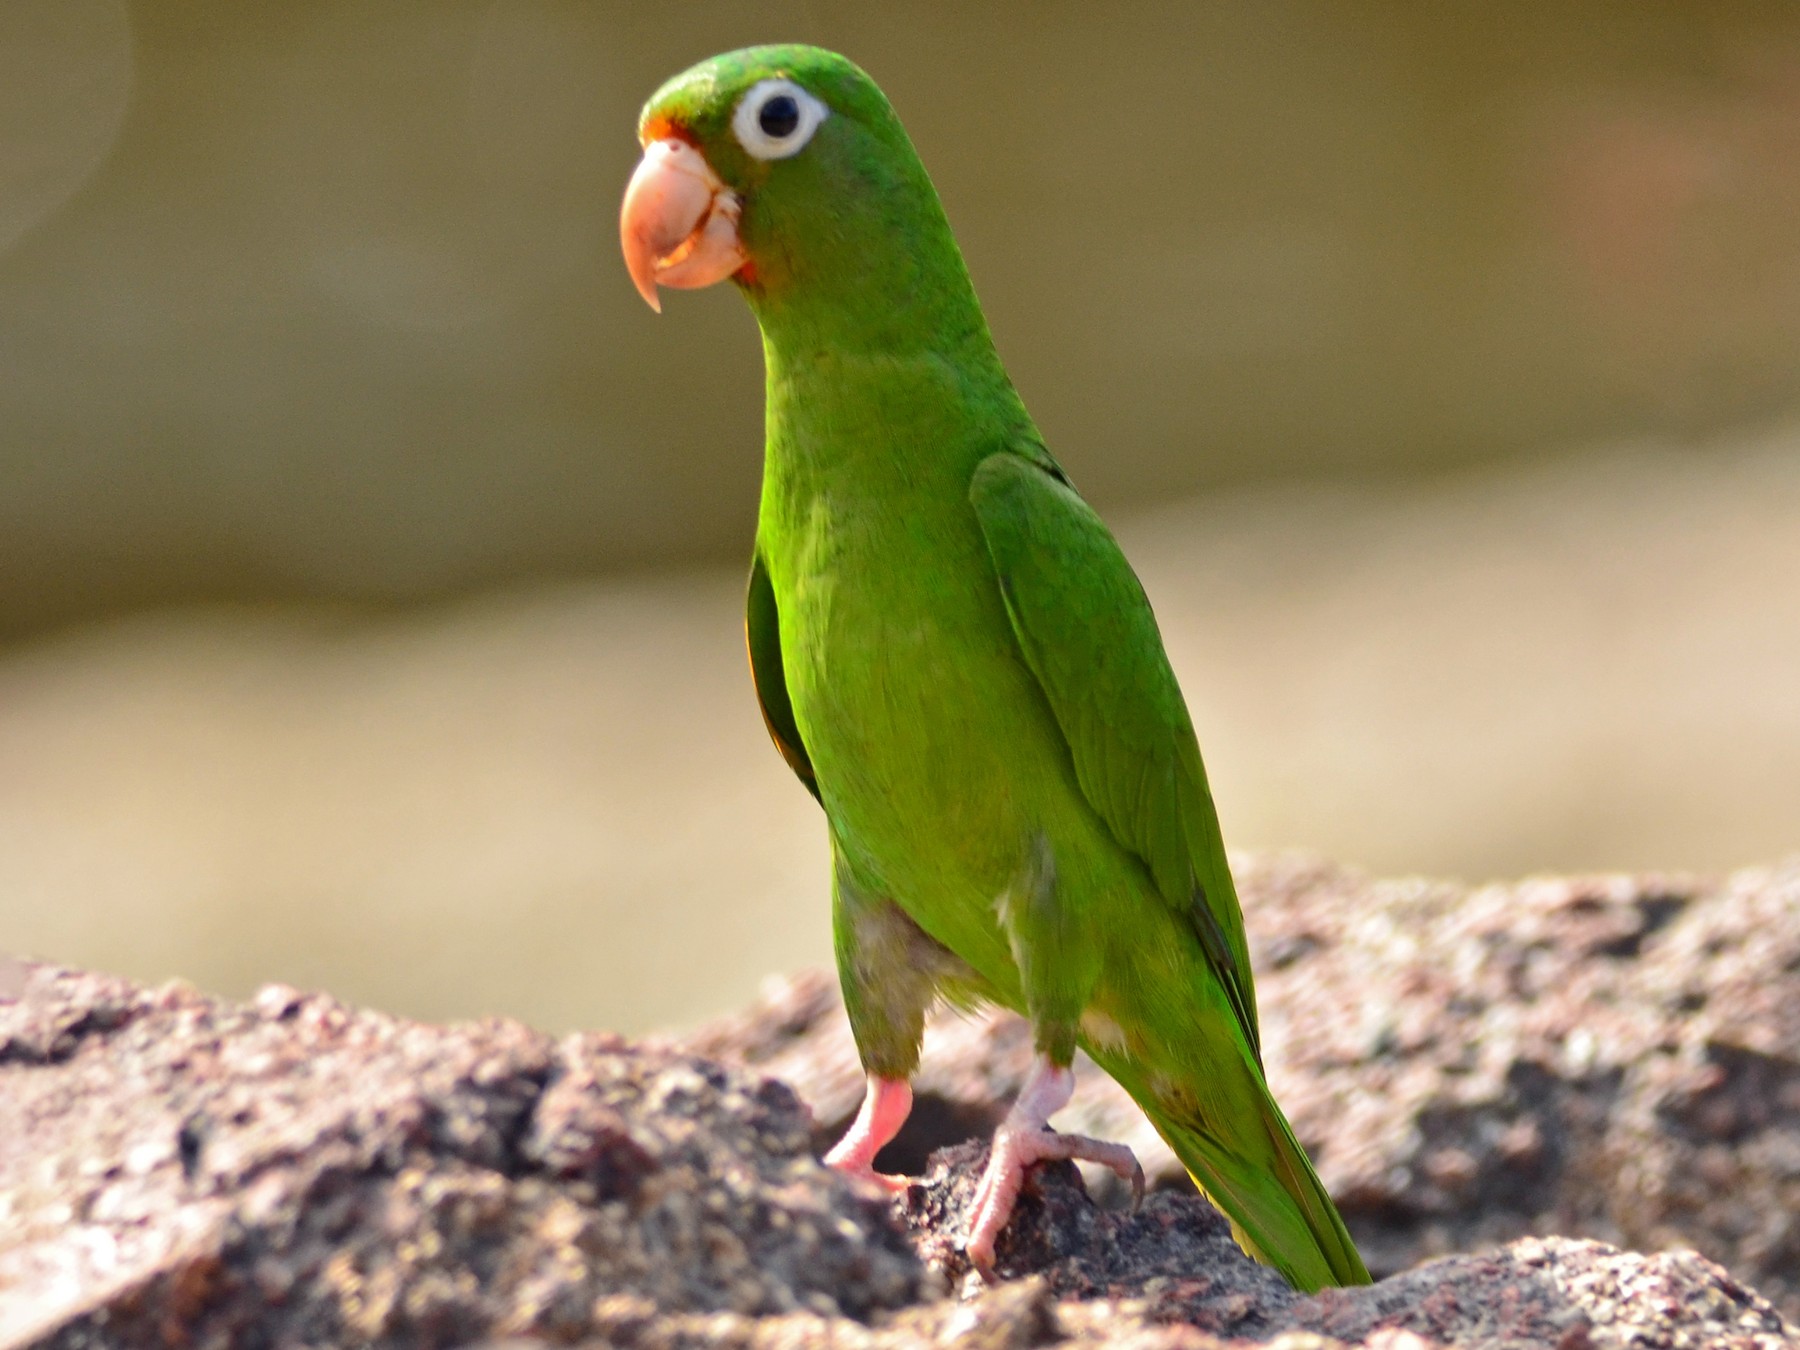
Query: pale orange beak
678,226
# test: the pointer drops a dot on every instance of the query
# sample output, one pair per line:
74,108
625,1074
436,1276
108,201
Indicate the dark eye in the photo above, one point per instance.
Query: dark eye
776,118
779,116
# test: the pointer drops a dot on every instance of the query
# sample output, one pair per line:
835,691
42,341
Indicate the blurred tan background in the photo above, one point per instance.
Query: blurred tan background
370,557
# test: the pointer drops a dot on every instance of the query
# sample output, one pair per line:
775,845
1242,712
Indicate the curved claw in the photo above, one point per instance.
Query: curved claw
894,1183
1025,1138
1015,1152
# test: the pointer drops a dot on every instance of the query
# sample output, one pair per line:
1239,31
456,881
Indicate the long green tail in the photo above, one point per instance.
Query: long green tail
1279,1210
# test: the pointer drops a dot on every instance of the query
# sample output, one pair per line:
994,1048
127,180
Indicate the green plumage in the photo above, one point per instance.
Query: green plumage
956,659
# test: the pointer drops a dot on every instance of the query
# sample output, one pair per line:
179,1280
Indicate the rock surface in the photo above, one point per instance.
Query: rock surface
180,1170
1610,1057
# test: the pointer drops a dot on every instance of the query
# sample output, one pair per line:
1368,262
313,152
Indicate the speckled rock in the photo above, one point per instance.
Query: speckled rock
180,1169
1611,1057
1173,1264
1081,1276
1175,1253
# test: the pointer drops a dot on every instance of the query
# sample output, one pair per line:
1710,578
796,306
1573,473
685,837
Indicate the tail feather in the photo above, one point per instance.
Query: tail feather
1279,1210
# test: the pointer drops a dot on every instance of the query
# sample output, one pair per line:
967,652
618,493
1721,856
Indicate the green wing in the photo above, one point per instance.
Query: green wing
1087,633
762,635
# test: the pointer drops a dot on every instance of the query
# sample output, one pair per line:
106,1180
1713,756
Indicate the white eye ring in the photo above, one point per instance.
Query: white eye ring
747,123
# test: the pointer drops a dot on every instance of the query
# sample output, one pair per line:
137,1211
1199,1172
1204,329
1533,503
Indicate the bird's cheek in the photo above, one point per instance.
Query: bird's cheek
679,224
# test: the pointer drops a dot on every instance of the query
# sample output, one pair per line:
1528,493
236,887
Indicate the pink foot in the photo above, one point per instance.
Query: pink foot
1024,1138
885,1107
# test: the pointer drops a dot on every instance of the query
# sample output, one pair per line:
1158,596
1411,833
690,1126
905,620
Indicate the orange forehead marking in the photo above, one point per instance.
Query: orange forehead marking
662,129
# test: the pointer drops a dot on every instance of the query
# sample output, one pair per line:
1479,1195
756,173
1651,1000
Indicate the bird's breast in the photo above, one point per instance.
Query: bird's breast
920,718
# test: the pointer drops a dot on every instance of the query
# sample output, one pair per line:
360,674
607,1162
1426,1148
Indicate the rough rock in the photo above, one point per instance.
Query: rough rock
177,1170
1611,1057
1173,1263
184,1170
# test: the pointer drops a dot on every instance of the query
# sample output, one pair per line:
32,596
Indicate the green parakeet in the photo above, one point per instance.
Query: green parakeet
955,658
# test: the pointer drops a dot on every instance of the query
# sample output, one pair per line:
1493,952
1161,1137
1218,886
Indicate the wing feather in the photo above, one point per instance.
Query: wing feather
762,635
1086,630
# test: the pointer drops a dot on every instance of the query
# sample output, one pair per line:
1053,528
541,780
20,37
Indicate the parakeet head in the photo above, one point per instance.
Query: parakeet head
786,169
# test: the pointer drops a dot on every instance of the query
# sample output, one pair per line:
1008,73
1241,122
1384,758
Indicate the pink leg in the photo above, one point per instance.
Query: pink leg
1025,1137
885,1107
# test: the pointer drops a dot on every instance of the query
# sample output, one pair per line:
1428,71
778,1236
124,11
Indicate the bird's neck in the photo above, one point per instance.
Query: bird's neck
868,292
884,427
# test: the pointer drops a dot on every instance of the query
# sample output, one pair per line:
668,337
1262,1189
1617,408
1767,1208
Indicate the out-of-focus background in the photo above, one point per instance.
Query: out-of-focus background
370,556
